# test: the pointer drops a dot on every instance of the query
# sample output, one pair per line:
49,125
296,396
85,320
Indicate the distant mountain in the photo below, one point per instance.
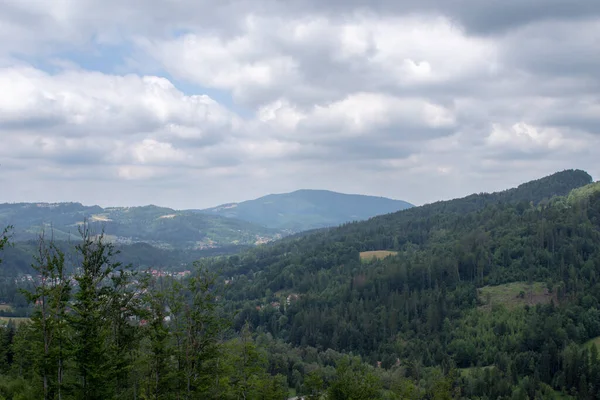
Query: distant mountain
158,226
308,209
248,223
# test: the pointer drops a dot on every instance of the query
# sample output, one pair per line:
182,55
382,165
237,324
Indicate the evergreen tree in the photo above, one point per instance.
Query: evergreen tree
50,298
90,319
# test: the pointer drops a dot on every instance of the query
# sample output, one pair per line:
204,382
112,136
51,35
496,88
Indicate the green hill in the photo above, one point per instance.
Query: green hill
308,209
161,227
441,301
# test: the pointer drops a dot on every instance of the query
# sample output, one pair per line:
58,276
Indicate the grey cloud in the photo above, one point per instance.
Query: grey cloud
31,122
556,49
589,124
498,15
479,17
362,151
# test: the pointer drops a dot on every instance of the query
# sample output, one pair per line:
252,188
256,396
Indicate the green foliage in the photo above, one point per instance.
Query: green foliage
4,237
583,193
354,381
48,327
90,318
16,389
313,386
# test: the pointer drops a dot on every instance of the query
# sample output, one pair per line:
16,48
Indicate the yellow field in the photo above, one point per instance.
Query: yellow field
377,254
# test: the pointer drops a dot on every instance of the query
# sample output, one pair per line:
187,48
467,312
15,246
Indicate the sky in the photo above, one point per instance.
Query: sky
194,103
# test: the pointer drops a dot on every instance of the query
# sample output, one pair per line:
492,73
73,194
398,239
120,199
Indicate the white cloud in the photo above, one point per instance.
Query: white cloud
373,97
79,117
306,58
523,137
150,151
364,113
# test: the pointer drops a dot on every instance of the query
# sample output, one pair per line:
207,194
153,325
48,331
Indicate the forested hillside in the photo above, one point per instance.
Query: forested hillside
158,226
423,307
494,296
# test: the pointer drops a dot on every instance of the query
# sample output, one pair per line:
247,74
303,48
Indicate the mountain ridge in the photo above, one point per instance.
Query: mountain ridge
159,226
169,228
306,209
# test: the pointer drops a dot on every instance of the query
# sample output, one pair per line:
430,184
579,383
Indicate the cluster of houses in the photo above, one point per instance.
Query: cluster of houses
154,272
24,278
161,273
276,304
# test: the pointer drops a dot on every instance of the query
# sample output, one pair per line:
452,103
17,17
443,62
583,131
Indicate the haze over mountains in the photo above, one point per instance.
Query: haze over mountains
308,209
248,223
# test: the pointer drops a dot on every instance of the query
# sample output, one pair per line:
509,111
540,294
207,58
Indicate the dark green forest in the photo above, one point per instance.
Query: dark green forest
493,296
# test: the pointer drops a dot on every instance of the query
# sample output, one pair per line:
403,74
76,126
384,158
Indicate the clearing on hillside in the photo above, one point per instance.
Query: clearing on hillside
515,294
595,340
16,320
377,254
5,307
469,371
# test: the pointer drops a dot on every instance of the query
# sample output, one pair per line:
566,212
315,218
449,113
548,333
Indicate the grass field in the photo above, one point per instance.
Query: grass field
5,307
470,370
17,320
515,294
592,341
377,254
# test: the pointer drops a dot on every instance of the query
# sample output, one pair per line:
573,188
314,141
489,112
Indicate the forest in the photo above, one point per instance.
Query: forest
492,296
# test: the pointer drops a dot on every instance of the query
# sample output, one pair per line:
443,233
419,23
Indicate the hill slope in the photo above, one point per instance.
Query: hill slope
421,308
162,227
308,209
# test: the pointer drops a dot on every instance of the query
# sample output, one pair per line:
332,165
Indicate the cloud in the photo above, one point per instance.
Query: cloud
81,117
193,103
524,139
310,60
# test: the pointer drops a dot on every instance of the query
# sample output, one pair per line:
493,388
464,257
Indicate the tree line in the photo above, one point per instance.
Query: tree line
105,331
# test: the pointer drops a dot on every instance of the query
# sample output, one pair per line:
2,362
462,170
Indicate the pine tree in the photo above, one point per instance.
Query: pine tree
123,339
203,328
7,335
158,348
91,317
4,237
50,297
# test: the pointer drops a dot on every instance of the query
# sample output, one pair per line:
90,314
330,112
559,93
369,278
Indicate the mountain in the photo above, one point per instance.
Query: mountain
412,229
308,209
247,223
497,292
161,227
228,227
